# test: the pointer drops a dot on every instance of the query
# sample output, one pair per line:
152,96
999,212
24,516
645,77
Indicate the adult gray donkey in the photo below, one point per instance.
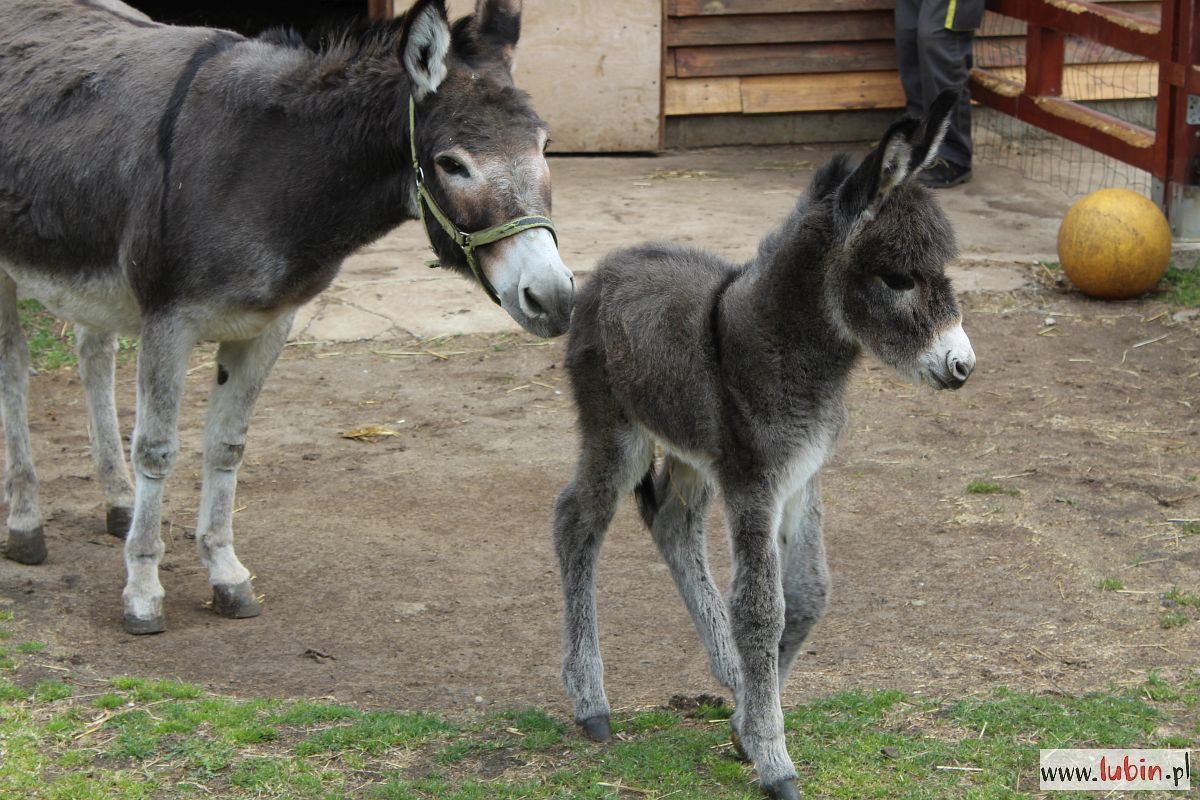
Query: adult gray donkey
188,184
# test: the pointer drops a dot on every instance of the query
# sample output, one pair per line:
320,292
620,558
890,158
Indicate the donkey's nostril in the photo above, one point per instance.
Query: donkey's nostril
533,306
960,369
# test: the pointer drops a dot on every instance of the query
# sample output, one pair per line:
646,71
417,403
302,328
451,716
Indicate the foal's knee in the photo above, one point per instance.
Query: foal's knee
154,458
222,456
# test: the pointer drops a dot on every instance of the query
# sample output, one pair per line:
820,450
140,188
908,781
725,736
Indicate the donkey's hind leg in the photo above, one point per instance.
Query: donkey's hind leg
26,543
613,458
162,367
805,572
242,367
683,497
97,365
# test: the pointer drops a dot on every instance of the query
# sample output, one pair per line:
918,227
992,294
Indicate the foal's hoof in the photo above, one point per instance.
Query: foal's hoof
27,547
118,520
237,601
597,728
141,626
736,741
782,790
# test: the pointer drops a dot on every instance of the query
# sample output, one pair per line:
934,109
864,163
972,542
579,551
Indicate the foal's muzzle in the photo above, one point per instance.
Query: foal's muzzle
949,361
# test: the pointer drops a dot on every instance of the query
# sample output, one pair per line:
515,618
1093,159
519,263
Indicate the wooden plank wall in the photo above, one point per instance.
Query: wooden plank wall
780,56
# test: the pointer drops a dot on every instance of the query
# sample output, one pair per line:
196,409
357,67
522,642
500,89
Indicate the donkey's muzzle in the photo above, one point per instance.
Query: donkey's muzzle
958,369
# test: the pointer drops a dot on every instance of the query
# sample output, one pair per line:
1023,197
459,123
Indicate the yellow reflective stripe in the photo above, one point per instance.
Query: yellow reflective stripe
950,14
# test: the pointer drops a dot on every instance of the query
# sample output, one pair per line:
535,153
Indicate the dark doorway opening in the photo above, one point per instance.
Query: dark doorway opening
251,18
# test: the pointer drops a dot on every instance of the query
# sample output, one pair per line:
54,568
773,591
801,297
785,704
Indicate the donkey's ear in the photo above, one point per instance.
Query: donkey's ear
933,131
499,25
424,45
880,172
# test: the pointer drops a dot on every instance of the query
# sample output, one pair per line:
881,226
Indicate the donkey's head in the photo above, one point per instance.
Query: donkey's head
889,290
480,149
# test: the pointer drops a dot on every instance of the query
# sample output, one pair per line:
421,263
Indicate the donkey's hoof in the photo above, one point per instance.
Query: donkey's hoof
118,520
237,601
140,626
736,741
27,547
782,790
597,728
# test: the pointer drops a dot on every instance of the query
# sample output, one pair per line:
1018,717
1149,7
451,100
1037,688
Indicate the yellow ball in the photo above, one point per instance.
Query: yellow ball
1114,244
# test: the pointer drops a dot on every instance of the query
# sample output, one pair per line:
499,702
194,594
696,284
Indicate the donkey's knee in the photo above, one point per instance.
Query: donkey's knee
154,458
224,457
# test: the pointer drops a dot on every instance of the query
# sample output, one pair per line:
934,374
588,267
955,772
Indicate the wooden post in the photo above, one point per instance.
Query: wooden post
1044,61
1181,193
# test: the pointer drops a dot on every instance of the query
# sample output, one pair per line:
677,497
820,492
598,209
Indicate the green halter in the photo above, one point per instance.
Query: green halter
467,242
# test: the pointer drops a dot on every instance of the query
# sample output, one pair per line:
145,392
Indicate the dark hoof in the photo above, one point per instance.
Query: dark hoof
27,547
597,728
118,520
140,627
736,741
783,790
236,602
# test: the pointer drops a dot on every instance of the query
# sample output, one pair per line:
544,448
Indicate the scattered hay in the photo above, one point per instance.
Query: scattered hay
369,433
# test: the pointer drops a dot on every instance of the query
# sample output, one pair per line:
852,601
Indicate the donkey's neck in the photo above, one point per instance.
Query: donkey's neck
784,298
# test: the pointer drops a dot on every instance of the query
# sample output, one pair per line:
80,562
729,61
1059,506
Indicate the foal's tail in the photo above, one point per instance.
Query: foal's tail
647,496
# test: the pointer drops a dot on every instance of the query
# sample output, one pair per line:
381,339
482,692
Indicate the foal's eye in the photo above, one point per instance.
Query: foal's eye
897,283
452,166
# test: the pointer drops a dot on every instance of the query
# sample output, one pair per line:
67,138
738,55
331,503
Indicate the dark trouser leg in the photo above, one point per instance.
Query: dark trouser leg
908,58
945,63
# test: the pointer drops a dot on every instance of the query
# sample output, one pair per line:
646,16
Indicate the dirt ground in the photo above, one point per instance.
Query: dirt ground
417,572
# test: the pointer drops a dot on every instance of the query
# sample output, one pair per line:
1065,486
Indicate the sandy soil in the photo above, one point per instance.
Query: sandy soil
417,572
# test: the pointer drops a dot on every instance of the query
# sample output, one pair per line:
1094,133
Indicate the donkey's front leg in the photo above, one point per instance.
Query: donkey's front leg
805,572
97,365
162,366
756,617
26,542
241,369
608,468
684,497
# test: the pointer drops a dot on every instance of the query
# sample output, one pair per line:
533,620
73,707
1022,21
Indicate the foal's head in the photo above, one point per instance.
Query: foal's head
481,150
889,290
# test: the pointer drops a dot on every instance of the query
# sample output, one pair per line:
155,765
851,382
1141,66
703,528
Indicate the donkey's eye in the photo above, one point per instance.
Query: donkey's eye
897,283
452,166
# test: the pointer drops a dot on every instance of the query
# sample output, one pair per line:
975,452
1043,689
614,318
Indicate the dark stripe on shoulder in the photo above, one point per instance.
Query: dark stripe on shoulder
139,23
220,42
714,319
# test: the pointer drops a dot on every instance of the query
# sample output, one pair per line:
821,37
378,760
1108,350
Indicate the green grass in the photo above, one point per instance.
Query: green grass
1183,286
148,738
52,342
1111,584
984,487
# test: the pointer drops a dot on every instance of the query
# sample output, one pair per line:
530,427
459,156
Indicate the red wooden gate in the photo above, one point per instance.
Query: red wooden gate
1171,151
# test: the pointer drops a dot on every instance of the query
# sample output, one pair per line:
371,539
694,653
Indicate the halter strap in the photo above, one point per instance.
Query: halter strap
467,242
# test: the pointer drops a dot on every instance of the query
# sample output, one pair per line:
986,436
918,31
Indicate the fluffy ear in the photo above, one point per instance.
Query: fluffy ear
880,172
499,25
424,45
933,130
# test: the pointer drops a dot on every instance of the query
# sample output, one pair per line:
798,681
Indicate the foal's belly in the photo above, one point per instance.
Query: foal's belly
102,300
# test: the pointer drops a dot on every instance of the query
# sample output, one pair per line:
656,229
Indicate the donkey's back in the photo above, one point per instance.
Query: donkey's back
84,90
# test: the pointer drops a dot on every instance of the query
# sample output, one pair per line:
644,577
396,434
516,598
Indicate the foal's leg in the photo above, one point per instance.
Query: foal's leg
97,363
162,366
684,497
26,542
610,464
241,369
756,616
805,572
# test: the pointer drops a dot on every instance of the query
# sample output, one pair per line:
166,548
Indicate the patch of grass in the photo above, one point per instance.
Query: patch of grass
29,648
374,732
1111,584
1183,286
985,487
1190,528
1182,598
52,341
49,691
1173,619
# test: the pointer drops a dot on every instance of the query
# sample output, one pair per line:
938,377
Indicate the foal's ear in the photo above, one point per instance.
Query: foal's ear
424,45
933,131
499,25
881,171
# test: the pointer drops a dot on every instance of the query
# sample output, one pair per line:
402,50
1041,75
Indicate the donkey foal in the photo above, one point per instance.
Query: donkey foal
740,374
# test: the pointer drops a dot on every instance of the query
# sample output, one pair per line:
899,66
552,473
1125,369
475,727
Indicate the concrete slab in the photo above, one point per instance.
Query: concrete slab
724,199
